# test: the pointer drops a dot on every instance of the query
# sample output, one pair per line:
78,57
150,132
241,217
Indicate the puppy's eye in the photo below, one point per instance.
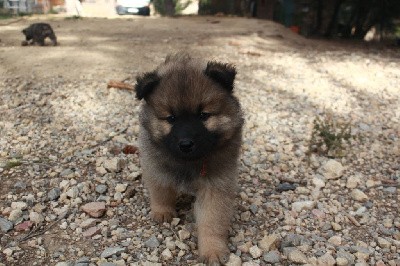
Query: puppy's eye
204,116
171,119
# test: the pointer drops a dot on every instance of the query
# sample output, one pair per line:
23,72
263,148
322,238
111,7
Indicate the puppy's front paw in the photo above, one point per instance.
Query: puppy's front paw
214,255
162,216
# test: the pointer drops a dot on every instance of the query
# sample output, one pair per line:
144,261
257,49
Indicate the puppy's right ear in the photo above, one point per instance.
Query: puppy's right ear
223,74
145,84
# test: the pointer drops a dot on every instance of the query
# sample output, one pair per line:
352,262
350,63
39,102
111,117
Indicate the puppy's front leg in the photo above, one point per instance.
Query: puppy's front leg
162,202
213,210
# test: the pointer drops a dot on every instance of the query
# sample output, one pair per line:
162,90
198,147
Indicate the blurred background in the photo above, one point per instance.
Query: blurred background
347,19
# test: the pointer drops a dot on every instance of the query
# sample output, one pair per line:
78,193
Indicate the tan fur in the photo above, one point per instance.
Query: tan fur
160,128
162,202
216,189
216,122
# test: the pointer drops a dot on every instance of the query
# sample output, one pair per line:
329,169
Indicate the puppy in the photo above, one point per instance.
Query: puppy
189,142
37,33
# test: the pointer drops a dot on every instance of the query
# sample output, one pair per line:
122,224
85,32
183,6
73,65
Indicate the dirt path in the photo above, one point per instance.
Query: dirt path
114,47
62,135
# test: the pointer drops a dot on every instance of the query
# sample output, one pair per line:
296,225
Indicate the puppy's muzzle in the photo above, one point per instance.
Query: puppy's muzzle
186,145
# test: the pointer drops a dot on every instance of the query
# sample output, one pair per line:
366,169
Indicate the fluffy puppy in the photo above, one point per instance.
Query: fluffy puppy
189,141
36,33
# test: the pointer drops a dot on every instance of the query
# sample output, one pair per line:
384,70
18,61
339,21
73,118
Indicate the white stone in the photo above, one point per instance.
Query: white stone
326,260
183,234
15,215
383,243
358,195
318,182
36,217
101,170
166,254
114,164
335,240
332,169
8,252
298,206
234,260
18,205
121,187
353,181
297,256
250,263
64,184
73,192
170,244
175,221
342,261
255,252
267,242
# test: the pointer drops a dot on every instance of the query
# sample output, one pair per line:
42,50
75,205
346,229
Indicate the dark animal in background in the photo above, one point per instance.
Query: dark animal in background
36,33
189,140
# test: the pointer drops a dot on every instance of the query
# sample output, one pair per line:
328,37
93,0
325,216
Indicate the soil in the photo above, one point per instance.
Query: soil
55,106
116,48
113,48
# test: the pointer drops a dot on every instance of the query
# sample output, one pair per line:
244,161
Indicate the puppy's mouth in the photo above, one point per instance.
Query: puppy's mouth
189,139
188,150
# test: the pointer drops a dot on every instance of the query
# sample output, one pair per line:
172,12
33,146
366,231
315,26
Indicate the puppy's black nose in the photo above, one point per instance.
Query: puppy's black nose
186,145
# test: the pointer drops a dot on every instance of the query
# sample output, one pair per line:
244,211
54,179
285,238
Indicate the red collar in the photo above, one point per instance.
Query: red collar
203,171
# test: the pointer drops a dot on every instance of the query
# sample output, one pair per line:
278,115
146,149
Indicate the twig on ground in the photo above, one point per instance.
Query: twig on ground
353,220
40,230
119,85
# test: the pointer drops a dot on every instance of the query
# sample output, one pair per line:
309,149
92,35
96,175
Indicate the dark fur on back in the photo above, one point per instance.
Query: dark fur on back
36,33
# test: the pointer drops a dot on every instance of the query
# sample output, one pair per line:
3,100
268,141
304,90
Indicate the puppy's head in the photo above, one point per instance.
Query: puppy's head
189,107
27,33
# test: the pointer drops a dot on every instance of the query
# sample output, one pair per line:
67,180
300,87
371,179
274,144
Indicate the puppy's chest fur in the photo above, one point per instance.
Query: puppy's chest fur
186,176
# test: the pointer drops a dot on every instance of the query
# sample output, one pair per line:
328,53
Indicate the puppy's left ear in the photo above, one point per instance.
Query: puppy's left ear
145,84
223,74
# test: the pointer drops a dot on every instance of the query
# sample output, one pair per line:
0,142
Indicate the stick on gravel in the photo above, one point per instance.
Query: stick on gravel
119,85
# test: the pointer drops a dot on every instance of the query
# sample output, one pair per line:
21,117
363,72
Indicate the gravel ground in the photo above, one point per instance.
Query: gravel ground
71,191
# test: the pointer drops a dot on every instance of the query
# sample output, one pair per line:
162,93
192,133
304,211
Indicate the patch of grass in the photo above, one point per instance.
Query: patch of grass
178,6
6,16
12,163
329,136
9,15
397,31
53,11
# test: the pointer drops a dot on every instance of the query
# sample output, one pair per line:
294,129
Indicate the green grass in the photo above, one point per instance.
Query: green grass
6,16
397,31
52,11
12,163
329,136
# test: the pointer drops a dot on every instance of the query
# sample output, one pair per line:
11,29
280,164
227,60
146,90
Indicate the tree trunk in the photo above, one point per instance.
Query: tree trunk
318,23
332,23
362,15
169,8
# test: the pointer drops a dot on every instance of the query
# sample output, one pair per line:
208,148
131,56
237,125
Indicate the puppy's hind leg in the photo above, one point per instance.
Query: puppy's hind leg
162,202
